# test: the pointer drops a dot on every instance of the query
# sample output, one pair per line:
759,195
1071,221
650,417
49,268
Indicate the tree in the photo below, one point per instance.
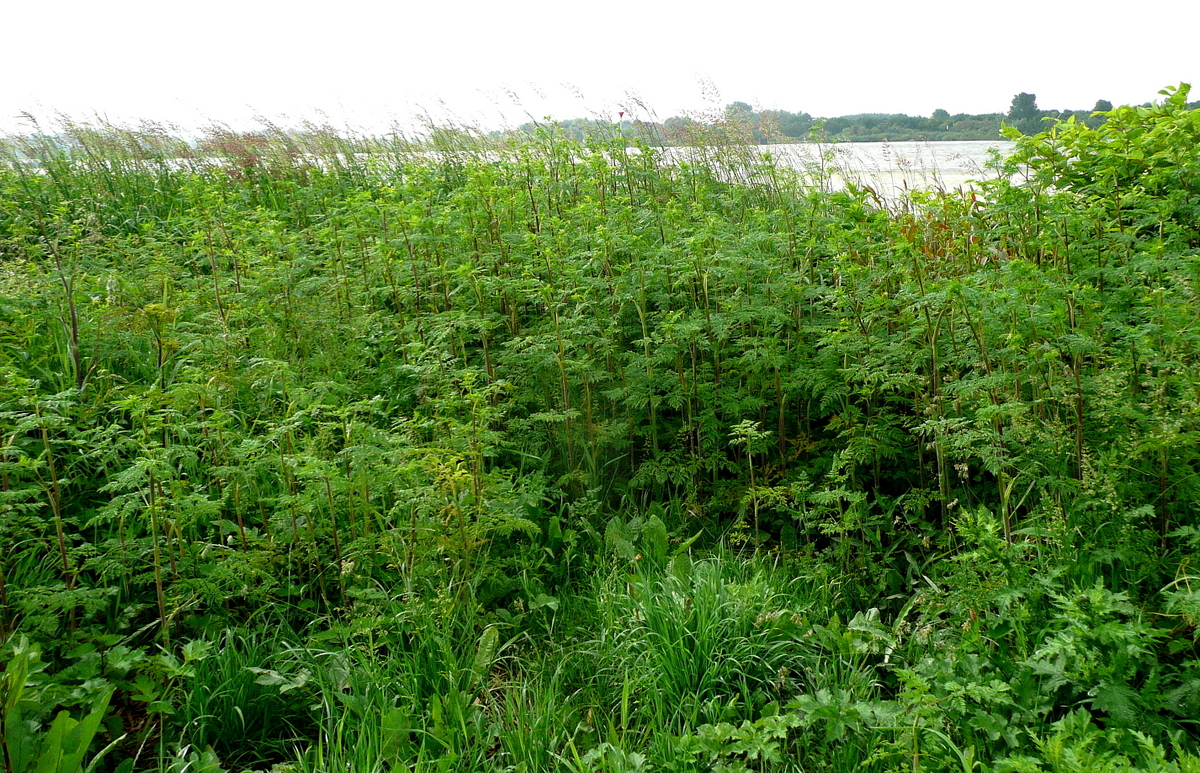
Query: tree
1102,106
795,125
743,117
1024,114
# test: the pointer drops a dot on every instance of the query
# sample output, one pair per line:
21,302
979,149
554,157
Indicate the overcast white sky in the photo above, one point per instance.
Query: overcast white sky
364,64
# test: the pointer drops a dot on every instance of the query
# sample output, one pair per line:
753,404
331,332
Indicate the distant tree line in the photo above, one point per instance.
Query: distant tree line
1025,116
739,121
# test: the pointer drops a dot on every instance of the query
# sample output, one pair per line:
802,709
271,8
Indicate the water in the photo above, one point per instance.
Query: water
889,168
892,168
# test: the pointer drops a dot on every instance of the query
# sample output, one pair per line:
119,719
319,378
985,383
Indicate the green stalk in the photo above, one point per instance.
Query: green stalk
337,541
156,559
56,503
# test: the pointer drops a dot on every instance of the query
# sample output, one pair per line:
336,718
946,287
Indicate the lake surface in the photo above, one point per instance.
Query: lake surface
891,168
899,166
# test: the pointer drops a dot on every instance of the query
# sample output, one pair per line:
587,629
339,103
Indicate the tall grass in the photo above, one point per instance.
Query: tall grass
369,453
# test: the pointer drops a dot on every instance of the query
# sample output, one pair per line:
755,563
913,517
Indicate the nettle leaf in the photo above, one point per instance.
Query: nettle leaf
755,744
1117,700
1185,602
146,689
285,683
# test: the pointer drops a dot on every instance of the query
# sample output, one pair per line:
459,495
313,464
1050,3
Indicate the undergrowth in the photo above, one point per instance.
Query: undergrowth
325,453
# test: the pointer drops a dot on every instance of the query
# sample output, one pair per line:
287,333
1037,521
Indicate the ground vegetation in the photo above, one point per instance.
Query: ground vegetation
322,454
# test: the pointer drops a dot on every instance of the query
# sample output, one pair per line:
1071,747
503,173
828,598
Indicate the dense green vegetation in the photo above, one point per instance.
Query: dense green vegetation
555,457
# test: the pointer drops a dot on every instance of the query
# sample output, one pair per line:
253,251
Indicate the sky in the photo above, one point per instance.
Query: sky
366,66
